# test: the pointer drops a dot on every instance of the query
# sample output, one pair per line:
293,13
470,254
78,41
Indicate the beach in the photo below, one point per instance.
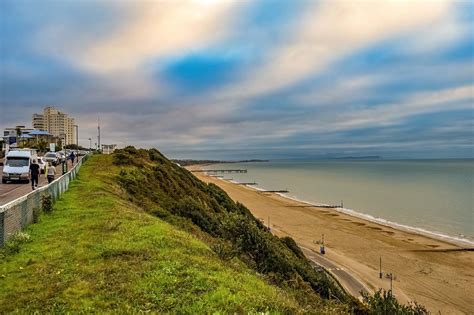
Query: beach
435,273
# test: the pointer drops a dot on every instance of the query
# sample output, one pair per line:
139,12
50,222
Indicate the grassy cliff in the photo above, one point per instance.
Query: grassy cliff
136,232
99,251
175,195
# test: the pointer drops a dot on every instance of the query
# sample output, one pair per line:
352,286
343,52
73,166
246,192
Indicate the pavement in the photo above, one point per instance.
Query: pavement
14,190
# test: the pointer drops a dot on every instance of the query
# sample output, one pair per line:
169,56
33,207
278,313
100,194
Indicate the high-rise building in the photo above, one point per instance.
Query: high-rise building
57,123
38,122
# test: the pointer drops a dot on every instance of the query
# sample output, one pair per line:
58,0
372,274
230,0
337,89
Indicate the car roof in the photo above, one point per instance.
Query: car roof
19,154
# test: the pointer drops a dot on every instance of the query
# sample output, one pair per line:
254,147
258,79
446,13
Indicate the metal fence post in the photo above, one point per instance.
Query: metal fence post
2,228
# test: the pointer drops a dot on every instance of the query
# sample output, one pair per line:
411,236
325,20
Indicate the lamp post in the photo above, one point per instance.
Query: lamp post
380,269
77,135
90,144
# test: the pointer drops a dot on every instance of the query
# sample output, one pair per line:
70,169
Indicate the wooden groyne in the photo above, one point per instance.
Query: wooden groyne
275,191
317,206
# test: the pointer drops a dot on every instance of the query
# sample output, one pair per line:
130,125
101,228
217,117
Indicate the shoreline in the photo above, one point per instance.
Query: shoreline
463,243
433,271
435,235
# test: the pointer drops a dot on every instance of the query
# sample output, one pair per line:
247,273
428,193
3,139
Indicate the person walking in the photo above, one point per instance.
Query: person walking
72,157
34,174
50,172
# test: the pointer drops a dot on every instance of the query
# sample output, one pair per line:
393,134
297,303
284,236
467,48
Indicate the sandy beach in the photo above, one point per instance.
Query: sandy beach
436,274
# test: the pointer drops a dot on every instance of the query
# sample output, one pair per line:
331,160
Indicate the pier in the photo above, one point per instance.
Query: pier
220,171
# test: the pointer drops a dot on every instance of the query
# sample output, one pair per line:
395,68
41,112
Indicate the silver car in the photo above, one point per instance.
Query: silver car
51,157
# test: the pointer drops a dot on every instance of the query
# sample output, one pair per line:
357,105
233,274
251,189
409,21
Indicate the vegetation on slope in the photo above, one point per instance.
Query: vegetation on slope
98,252
174,194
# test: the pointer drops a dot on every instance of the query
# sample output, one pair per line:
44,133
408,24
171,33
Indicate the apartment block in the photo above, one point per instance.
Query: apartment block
38,122
57,123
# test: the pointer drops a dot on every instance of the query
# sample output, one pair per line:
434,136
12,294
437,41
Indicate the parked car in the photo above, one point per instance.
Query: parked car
51,157
17,166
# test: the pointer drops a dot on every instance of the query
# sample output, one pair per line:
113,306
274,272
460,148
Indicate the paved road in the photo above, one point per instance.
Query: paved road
12,191
352,285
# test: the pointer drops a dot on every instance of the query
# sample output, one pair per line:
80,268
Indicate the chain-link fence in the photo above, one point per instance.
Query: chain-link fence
17,214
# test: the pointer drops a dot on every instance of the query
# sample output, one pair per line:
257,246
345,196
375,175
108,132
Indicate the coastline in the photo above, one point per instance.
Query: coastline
433,271
435,235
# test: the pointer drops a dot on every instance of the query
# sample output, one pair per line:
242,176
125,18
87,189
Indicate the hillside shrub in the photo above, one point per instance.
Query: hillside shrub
224,250
291,244
384,303
14,243
46,203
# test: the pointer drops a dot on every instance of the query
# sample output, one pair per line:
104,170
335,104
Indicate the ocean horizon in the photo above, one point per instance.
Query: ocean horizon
433,197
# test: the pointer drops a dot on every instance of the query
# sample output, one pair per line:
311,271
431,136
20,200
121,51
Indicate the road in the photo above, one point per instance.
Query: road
350,283
12,191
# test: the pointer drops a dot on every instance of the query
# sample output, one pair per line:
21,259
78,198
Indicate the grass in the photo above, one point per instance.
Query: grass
98,252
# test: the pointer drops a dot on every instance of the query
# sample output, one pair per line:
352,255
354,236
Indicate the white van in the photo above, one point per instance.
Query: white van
17,165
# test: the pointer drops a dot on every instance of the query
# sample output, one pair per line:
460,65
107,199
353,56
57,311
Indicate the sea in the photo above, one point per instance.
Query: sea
430,197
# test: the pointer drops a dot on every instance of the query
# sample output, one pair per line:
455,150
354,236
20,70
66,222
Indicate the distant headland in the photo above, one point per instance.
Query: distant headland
187,162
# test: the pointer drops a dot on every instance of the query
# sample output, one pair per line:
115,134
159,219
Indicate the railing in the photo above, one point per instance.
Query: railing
19,213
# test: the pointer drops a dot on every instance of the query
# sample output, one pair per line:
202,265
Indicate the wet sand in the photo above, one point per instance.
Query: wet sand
436,274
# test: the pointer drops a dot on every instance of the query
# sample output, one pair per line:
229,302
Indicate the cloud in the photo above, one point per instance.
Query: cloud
153,29
332,29
280,78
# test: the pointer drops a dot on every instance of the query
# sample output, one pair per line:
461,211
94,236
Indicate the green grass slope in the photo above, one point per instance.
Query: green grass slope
99,252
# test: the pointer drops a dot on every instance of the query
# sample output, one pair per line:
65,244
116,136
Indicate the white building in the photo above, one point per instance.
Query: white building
108,148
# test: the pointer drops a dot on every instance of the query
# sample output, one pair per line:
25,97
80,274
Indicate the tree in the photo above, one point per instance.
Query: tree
41,146
18,136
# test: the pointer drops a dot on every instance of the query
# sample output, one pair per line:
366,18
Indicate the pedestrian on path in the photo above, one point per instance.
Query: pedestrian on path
50,172
34,174
72,157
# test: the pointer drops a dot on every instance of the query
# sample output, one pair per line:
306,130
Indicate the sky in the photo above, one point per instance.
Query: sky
247,79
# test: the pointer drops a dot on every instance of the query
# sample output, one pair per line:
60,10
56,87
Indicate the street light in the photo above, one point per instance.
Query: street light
90,144
77,135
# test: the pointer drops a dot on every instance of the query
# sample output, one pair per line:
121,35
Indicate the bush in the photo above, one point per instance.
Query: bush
384,303
36,214
291,244
13,245
192,209
46,203
224,250
122,157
